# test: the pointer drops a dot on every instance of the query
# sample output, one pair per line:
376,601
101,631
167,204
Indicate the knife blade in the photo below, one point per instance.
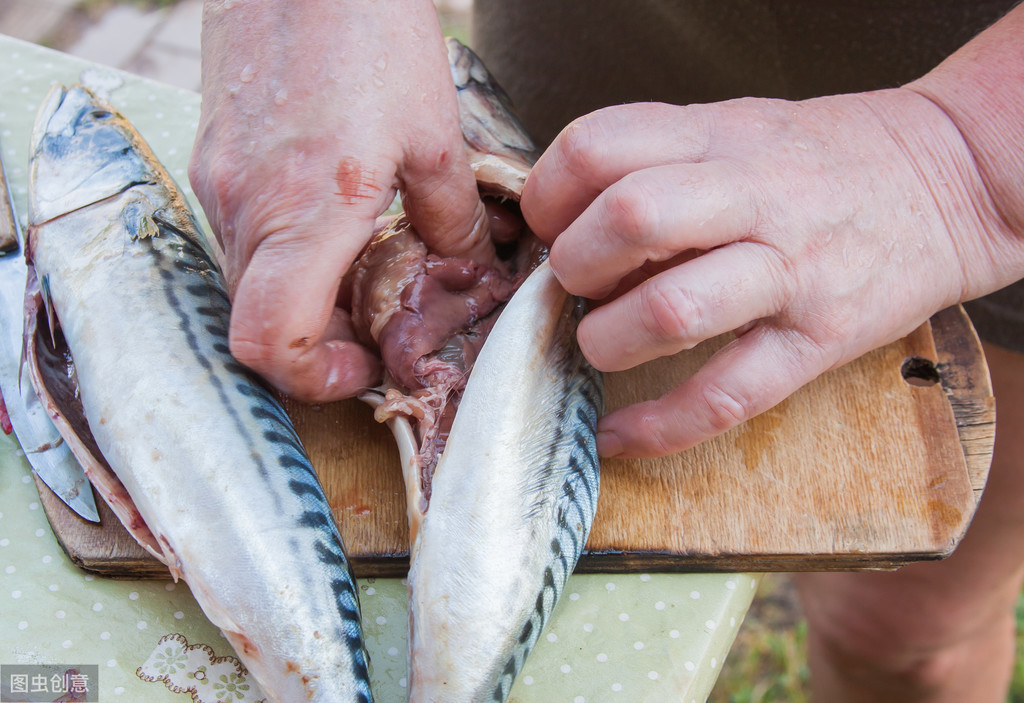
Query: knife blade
47,454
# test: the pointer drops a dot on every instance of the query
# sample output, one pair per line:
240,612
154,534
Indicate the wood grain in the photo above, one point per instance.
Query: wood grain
858,470
103,548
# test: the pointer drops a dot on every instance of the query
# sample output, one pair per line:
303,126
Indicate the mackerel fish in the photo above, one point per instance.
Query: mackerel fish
127,345
501,494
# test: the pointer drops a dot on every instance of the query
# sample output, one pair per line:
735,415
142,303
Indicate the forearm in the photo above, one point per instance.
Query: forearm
292,51
981,89
316,25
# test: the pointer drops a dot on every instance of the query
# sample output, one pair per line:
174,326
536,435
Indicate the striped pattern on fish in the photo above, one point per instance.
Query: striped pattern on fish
514,496
573,459
213,467
498,523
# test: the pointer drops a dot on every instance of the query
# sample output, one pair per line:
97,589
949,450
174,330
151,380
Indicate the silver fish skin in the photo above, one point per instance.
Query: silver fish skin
514,493
514,496
208,458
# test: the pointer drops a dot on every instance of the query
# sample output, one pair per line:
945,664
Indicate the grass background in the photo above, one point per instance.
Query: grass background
768,662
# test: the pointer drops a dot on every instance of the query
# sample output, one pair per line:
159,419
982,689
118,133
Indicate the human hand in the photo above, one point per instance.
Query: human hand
313,115
816,231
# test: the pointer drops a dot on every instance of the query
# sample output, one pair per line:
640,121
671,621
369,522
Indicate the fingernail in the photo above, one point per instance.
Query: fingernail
608,444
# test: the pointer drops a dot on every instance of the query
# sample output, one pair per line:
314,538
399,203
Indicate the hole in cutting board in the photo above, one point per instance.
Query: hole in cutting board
918,371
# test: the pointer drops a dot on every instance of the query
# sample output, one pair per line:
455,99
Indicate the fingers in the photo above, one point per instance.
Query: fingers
745,378
442,202
714,293
650,215
284,324
599,149
295,159
291,229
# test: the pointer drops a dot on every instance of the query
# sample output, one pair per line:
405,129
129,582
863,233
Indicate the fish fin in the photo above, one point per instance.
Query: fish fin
184,226
51,319
37,297
30,308
179,220
137,221
167,555
215,610
178,216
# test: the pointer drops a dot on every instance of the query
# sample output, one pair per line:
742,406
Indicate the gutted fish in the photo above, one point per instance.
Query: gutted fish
127,345
495,411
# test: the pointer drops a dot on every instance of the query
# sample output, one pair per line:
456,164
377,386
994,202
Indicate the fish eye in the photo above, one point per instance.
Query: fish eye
101,114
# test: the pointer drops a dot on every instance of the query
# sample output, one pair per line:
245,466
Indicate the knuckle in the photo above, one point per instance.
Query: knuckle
671,313
437,158
812,352
724,409
783,273
257,344
251,352
629,211
592,343
214,176
565,265
661,439
580,148
475,232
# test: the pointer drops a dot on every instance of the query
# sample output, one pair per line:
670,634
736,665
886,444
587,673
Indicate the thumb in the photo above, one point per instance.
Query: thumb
284,323
444,206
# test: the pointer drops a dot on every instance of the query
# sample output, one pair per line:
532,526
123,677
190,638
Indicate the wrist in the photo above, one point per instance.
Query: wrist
312,45
980,89
318,68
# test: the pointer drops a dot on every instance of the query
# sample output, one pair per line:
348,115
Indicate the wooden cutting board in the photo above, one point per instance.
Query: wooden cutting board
876,464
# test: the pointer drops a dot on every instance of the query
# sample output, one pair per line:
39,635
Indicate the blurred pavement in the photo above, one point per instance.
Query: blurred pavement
156,41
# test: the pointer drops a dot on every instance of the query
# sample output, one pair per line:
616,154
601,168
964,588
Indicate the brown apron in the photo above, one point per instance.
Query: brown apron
559,59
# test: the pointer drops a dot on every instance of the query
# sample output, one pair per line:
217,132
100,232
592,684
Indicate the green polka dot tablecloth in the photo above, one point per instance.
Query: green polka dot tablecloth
623,637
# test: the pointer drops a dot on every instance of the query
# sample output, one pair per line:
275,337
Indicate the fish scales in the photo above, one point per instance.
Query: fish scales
498,523
514,495
209,458
571,457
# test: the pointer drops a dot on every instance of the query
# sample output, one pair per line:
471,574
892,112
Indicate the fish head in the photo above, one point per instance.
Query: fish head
82,152
498,148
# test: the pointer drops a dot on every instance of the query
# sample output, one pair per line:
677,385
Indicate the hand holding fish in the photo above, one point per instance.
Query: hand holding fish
815,230
311,121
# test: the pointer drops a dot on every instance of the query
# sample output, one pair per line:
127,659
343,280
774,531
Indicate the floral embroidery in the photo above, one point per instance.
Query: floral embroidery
197,671
233,685
168,659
